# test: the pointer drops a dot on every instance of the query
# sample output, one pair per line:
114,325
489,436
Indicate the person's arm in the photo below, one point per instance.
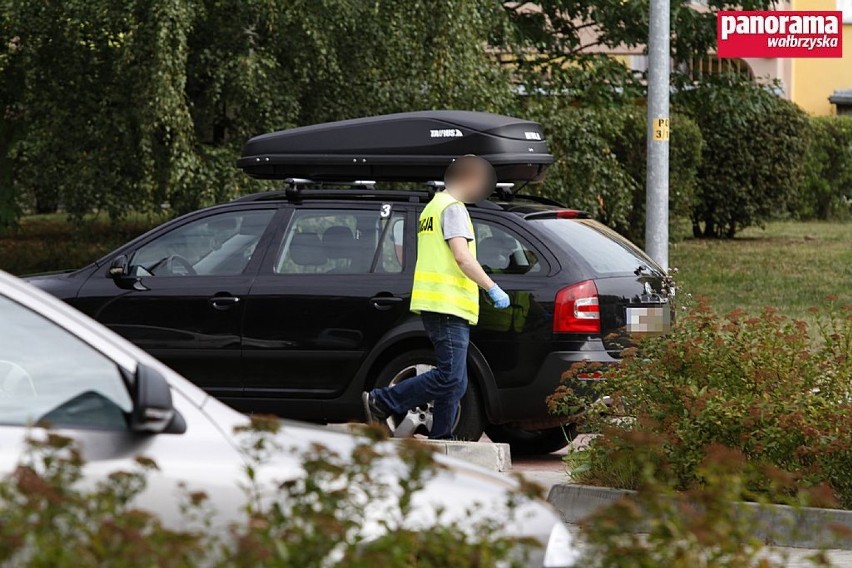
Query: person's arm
455,223
468,264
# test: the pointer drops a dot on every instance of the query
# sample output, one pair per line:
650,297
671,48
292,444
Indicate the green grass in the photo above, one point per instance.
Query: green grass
788,265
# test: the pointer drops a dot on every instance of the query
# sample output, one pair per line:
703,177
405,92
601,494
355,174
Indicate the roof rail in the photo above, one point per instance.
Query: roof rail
297,194
303,183
298,190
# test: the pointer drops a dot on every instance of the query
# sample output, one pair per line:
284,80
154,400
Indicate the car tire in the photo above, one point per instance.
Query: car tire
470,422
533,442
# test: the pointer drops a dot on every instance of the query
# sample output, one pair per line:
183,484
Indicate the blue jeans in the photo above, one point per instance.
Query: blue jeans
445,384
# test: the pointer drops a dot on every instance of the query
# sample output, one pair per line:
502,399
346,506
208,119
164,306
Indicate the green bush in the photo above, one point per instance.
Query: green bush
49,520
774,389
826,191
600,161
586,173
50,242
751,163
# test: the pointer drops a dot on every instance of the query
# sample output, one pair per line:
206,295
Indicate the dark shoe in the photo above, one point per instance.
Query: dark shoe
373,409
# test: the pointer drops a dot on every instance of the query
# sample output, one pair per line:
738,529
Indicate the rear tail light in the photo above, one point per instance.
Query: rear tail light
577,309
571,214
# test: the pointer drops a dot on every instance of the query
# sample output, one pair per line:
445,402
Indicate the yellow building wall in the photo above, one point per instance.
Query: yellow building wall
814,80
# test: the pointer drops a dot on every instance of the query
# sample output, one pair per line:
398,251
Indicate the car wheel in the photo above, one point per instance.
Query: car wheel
533,442
469,421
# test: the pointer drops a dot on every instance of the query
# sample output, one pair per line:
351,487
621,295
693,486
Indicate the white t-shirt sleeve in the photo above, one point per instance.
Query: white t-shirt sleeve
455,222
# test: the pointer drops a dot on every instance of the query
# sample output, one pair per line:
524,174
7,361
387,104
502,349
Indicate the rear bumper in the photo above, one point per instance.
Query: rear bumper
526,407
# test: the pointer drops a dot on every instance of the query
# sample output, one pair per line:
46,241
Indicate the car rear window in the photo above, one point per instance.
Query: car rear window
607,252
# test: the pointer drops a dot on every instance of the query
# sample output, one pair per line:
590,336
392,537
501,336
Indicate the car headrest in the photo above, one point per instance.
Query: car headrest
338,241
494,252
306,249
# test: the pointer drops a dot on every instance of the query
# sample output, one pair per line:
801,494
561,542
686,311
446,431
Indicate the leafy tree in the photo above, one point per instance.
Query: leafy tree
9,87
102,122
122,107
559,45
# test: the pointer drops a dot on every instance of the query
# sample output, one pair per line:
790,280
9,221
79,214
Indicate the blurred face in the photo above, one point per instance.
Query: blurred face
474,182
474,187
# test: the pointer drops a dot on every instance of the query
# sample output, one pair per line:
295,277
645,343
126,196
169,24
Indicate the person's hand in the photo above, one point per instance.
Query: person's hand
499,298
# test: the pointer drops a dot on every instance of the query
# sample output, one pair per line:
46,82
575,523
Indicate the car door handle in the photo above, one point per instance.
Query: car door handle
223,302
383,303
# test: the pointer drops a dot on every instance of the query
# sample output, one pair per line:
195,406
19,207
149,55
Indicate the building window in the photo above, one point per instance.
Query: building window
712,65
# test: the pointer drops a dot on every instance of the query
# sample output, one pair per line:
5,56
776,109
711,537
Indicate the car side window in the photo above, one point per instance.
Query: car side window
49,376
221,244
499,251
339,241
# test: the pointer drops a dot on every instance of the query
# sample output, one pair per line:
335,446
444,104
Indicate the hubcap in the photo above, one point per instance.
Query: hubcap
417,420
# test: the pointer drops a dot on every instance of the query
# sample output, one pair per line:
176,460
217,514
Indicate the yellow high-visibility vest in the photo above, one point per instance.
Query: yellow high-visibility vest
439,284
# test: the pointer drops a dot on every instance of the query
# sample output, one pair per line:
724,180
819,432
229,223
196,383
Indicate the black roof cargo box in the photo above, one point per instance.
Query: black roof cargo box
411,146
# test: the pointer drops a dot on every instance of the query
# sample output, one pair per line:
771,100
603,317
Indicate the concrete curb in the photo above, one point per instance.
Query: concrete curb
496,457
493,456
777,525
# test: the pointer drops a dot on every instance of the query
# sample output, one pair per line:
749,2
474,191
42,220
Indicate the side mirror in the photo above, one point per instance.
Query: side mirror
119,271
153,411
119,267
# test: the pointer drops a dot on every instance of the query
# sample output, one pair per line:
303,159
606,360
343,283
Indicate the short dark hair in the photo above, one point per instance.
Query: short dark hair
470,165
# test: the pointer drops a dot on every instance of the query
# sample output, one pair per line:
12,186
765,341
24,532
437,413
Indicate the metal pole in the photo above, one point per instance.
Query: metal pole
657,194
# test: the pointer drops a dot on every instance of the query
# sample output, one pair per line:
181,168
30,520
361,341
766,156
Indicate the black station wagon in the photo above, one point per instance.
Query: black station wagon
295,301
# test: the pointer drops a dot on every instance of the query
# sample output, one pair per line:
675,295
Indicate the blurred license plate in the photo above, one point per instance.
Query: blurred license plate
649,320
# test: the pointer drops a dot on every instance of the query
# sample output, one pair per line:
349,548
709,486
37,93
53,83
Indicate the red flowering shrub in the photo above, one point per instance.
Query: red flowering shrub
776,390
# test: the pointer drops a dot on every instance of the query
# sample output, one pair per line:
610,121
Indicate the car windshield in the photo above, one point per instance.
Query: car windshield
607,252
49,375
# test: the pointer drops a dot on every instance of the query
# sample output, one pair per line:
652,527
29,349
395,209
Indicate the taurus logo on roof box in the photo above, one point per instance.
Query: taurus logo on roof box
446,133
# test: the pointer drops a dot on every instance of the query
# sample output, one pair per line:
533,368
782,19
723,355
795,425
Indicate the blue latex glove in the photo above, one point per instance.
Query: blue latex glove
499,298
